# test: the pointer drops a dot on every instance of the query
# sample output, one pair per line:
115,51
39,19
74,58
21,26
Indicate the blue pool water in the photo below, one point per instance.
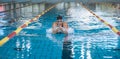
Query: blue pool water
91,38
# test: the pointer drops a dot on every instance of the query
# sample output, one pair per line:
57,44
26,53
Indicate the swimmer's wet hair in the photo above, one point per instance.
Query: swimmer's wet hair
59,17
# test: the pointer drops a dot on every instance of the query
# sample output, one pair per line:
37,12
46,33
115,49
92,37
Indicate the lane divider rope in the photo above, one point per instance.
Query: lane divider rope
7,38
114,29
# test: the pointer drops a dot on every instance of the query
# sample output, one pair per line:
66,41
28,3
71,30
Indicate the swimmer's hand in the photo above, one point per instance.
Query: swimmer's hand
63,30
60,28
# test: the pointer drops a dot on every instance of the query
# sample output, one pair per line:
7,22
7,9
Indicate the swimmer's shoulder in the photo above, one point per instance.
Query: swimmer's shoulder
55,23
65,23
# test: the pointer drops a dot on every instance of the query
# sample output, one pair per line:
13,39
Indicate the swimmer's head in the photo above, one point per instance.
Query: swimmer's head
59,17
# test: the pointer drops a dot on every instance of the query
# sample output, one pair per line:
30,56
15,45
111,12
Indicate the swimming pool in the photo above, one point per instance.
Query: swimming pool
91,38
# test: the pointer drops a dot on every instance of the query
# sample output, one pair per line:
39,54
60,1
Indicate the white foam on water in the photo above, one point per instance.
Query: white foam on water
35,26
54,39
70,30
107,56
1,32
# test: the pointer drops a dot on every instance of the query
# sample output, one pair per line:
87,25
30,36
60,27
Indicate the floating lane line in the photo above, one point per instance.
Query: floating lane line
114,29
7,38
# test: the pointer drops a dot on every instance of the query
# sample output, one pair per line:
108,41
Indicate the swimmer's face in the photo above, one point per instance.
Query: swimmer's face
59,21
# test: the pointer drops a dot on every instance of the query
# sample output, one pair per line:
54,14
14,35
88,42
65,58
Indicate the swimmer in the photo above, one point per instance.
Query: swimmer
59,26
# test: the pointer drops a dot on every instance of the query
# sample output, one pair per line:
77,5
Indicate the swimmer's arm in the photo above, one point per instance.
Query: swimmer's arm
54,27
65,25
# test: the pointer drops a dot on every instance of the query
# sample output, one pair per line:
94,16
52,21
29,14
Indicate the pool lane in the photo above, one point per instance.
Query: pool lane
33,43
114,29
92,39
5,39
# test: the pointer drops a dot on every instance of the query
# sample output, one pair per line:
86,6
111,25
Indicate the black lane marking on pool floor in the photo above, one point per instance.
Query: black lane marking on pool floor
66,52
